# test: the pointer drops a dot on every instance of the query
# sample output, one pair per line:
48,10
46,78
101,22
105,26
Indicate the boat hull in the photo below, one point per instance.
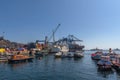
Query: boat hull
20,60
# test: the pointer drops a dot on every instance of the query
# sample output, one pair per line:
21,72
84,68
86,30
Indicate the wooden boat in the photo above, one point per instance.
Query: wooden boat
20,58
97,55
105,63
116,63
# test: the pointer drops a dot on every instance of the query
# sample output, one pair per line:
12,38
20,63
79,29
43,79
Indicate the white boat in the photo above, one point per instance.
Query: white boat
55,49
58,48
59,54
78,54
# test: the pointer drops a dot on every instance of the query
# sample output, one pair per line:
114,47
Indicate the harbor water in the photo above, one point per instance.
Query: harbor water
49,68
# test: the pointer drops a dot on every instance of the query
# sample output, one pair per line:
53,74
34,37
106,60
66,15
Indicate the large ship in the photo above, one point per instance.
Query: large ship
72,42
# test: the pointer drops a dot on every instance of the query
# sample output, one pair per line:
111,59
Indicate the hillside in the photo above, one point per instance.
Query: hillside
8,43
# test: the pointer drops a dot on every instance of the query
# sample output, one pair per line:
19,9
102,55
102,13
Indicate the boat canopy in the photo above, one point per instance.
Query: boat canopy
2,50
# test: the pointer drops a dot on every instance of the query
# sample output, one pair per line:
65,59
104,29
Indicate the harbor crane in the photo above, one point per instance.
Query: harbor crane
46,41
53,34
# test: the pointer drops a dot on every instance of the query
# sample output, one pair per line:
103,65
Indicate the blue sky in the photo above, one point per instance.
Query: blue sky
96,22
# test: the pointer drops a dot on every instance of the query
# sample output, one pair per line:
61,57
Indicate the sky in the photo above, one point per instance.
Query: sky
96,22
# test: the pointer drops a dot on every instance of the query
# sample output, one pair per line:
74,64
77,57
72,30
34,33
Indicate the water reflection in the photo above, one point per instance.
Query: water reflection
104,74
77,59
17,65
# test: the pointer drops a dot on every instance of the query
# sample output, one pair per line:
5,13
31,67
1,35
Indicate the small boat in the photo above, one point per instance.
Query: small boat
112,56
3,58
70,54
19,58
105,63
78,54
116,63
97,55
63,52
58,55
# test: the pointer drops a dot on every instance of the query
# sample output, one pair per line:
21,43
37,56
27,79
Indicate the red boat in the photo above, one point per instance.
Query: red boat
96,55
116,63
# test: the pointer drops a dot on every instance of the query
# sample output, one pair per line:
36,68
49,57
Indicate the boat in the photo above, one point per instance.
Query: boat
78,54
64,48
58,55
112,56
3,58
72,43
97,55
116,63
19,58
54,49
104,64
58,47
70,54
62,52
64,55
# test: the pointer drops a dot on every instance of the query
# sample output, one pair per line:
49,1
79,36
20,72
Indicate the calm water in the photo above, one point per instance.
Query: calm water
49,68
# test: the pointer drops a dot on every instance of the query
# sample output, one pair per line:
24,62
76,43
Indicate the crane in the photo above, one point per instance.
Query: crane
53,34
46,39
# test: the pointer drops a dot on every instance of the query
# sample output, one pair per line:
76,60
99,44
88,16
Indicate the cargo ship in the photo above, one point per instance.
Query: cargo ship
72,42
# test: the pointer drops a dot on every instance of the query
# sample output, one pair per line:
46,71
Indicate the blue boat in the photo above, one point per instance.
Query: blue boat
105,63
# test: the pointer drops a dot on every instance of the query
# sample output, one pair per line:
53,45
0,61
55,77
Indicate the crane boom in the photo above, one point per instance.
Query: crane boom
53,34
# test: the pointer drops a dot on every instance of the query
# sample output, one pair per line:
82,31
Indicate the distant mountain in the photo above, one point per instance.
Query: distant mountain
117,49
96,49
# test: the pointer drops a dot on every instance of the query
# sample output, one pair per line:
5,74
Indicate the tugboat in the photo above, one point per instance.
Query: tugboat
104,64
